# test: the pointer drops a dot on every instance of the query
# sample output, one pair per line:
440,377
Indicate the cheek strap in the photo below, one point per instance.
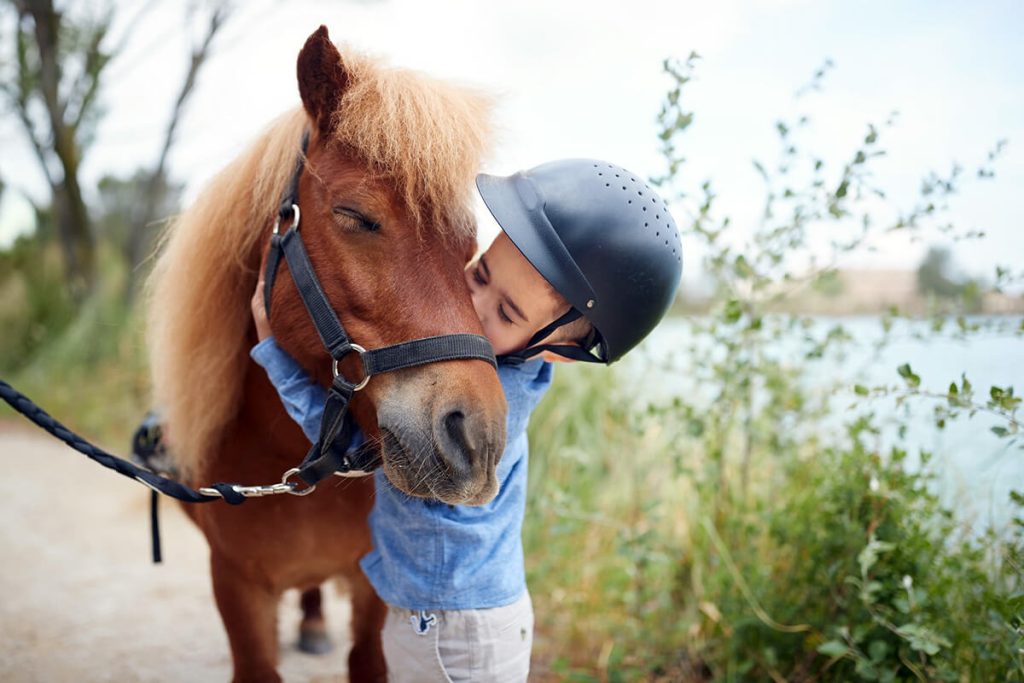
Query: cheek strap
571,351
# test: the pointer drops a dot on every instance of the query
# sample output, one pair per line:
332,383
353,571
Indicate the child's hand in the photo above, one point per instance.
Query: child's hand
259,312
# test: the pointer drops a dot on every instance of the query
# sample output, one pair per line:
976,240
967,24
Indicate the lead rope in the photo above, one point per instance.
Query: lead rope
154,526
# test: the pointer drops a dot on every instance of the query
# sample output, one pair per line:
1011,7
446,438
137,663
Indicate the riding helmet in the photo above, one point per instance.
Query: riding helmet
601,236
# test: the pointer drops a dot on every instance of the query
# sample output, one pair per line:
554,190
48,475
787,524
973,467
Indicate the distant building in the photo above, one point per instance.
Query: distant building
865,290
862,291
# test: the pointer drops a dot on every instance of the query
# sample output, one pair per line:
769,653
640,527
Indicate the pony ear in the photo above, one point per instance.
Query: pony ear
322,78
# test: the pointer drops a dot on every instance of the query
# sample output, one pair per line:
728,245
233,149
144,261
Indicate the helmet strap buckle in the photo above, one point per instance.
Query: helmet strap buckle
570,351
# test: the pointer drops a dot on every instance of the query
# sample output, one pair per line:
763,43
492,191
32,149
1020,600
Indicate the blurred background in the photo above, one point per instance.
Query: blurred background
811,471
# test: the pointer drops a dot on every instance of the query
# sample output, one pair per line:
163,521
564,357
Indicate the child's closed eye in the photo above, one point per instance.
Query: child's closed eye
503,315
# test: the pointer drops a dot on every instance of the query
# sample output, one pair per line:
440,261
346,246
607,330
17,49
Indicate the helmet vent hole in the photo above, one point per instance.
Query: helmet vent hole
623,187
607,184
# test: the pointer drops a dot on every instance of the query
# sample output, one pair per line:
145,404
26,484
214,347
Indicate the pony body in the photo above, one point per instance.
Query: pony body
389,149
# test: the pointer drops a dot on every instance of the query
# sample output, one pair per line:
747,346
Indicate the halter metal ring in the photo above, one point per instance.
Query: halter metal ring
294,491
362,383
295,222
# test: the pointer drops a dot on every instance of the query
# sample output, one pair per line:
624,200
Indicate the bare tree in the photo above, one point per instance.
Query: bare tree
59,66
155,187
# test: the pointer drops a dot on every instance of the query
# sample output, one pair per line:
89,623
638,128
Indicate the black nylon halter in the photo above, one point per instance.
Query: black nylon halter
329,454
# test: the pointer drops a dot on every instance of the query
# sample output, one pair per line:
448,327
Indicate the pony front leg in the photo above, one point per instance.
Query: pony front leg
248,609
366,659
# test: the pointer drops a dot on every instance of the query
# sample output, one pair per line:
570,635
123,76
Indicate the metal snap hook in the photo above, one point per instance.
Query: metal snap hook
292,487
360,350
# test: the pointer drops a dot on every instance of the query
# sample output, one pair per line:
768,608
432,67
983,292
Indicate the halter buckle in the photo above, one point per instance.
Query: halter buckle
366,378
295,223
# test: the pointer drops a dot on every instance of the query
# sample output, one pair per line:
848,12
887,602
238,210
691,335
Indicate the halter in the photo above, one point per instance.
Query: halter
329,454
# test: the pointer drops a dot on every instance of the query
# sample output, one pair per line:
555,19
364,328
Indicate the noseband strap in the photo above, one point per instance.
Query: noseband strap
330,454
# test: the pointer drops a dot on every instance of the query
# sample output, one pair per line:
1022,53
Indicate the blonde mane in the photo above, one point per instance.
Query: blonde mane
423,137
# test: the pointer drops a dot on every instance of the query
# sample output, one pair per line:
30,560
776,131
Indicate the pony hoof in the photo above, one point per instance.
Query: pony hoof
314,642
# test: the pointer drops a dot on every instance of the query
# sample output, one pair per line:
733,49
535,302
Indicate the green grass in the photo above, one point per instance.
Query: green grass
643,565
89,370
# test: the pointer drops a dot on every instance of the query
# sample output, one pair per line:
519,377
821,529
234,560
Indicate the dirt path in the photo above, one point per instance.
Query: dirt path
79,597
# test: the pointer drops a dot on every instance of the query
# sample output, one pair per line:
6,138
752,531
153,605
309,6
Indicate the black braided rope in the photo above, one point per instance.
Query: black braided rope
24,405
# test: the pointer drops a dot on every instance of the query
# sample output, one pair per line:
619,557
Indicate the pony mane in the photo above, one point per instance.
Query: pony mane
423,137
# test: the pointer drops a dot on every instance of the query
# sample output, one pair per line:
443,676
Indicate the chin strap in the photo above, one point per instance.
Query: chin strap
571,351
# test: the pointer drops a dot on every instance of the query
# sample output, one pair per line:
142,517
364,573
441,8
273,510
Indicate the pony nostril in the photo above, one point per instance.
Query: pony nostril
458,451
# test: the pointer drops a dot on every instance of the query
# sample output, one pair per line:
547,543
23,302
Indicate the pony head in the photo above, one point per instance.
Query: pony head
386,217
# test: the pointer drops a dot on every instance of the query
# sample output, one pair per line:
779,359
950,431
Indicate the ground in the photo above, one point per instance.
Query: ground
80,599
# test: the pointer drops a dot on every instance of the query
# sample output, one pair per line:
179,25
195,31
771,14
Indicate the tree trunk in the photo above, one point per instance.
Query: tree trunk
71,213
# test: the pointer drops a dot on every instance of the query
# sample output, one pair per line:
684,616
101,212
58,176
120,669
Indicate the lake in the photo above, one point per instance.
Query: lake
975,469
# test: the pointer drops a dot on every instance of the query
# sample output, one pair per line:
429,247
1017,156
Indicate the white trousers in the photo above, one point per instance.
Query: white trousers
450,646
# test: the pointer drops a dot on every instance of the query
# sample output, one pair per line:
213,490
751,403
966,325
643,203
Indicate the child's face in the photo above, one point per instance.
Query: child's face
511,298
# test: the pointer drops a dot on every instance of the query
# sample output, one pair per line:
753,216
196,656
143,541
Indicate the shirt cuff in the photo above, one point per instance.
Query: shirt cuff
263,352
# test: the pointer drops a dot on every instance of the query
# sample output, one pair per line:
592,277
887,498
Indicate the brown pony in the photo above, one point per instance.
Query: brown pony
399,151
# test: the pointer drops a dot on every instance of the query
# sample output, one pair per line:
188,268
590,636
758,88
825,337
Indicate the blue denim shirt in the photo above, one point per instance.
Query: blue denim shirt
428,554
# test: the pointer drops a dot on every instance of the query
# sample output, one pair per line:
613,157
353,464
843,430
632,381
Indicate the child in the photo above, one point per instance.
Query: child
587,264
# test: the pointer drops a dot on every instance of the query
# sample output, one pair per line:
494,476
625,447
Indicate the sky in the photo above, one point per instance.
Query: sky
580,78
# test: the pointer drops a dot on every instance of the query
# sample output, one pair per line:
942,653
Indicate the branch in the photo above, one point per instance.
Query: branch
20,106
95,62
129,29
199,56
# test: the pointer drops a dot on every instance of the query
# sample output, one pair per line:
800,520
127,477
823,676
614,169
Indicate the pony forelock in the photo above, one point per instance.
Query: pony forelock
425,137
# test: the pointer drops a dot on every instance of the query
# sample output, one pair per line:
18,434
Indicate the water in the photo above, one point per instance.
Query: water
976,470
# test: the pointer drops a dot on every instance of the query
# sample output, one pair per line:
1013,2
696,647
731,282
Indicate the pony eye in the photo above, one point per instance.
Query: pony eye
361,221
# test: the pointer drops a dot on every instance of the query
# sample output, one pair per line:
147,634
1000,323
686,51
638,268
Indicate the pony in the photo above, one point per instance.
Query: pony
386,216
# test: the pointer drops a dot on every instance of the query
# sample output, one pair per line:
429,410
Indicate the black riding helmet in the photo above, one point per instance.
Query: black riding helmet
603,239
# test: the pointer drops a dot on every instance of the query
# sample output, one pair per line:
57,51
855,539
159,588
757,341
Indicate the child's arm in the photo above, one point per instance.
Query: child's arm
303,398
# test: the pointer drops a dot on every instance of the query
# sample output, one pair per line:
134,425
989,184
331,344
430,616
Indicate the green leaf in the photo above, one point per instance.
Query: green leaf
912,380
869,555
834,648
741,267
860,390
1000,431
922,639
733,311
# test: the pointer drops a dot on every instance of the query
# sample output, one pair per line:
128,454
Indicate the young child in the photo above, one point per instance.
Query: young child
587,263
